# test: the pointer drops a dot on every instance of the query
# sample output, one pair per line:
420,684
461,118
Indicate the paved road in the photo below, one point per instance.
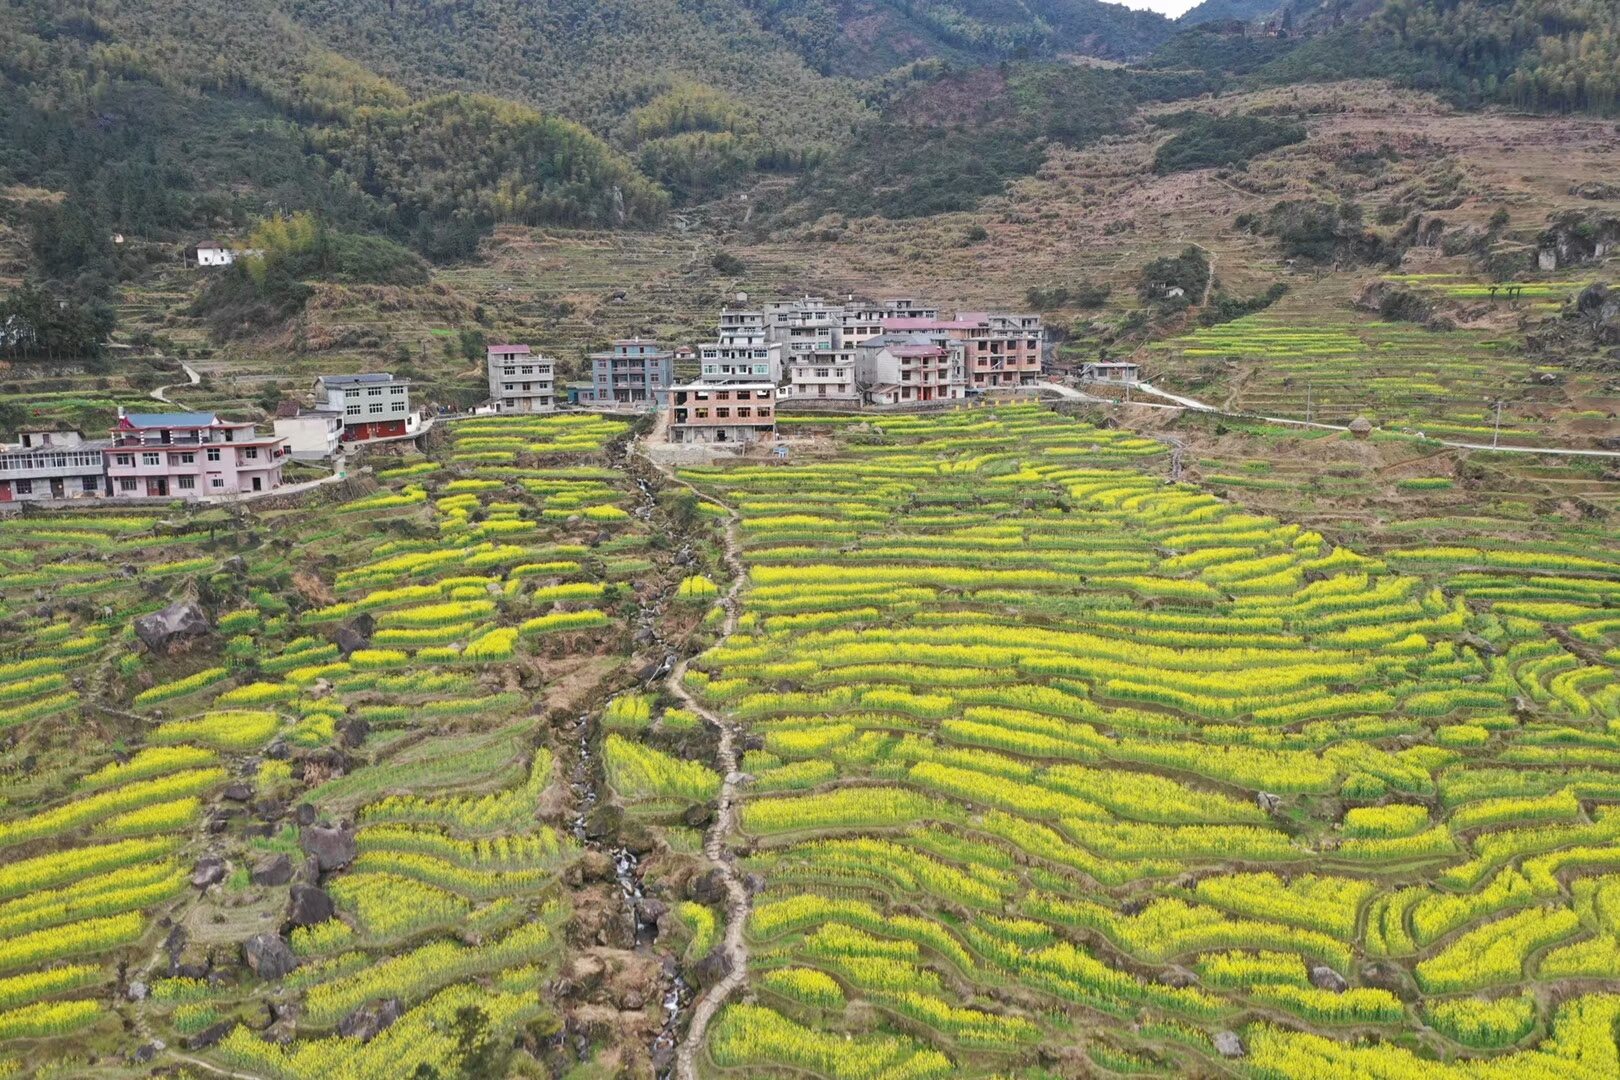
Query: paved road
192,379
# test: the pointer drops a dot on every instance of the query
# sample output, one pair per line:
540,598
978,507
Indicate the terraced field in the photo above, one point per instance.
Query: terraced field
390,668
1054,768
1296,361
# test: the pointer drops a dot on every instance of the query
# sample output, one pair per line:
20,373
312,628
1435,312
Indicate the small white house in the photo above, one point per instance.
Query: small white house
213,253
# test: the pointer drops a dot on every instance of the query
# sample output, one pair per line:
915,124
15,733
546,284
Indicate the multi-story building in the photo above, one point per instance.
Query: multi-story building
902,369
633,372
186,455
829,376
743,356
730,413
52,465
373,406
1000,350
520,381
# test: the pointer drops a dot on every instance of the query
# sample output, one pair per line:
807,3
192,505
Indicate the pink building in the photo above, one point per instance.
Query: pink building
906,369
999,350
190,455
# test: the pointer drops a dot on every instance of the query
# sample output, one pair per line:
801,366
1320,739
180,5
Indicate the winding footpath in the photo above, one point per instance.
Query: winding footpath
732,944
192,379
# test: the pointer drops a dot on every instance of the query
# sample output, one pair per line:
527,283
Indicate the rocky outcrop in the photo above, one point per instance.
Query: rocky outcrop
273,871
368,1021
308,905
333,846
1325,978
268,956
178,622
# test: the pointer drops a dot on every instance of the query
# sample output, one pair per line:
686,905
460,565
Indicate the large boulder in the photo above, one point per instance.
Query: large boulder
308,905
274,871
332,845
268,956
368,1021
1325,978
1227,1044
179,621
210,870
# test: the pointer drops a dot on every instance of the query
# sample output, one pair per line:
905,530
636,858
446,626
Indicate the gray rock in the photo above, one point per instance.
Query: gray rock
348,641
708,888
237,792
210,870
209,1036
711,969
1227,1044
276,871
136,991
1325,978
332,845
1477,643
308,905
234,565
304,814
1268,802
268,956
366,1022
1177,977
180,620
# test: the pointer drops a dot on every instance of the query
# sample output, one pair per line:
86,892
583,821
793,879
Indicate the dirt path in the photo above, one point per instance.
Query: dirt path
732,945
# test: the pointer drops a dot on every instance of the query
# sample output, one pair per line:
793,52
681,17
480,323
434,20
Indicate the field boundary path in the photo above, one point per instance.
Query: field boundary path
192,379
732,944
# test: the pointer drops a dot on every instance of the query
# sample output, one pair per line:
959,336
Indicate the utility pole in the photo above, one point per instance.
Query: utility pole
1496,435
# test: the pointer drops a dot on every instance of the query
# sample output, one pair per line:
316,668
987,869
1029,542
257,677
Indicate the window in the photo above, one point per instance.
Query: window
527,387
509,371
744,412
188,459
701,414
509,402
126,484
507,386
151,459
822,373
528,369
375,391
375,408
722,414
90,484
213,455
187,483
763,412
25,487
251,453
396,391
217,481
124,459
348,410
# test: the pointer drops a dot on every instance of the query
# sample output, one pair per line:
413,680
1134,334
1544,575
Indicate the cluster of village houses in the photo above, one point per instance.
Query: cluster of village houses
853,353
197,455
809,351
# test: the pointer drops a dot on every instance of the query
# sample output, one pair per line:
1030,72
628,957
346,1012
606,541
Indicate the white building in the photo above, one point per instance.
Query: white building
53,465
313,434
521,381
213,253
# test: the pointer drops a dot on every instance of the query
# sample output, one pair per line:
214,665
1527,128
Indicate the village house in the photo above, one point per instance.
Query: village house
904,369
211,253
521,381
999,350
729,413
52,465
311,434
189,455
633,372
373,406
